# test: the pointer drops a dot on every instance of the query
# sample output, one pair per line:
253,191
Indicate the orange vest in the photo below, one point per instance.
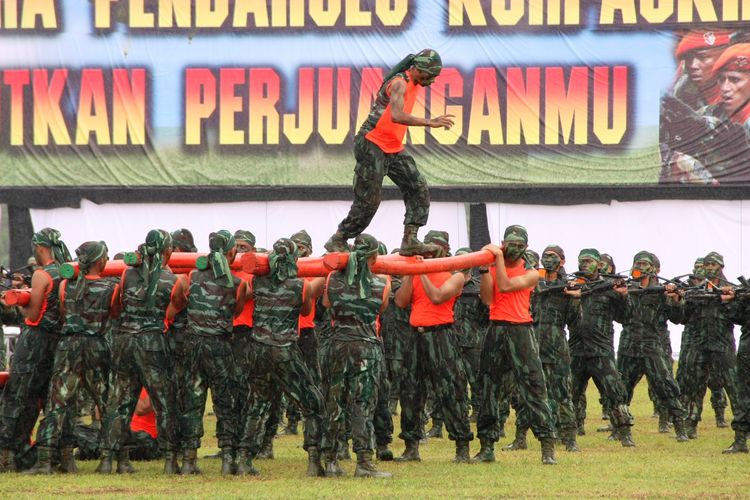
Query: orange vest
511,306
424,312
388,135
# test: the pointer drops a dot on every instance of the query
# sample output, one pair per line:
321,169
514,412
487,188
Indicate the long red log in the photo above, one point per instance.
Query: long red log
180,262
17,297
4,378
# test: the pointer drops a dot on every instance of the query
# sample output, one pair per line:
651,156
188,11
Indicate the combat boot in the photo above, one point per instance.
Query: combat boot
664,423
67,460
337,243
691,427
720,422
365,467
519,443
170,463
245,464
739,445
581,431
436,431
411,246
548,451
43,463
123,461
462,453
7,460
626,437
190,462
486,452
680,430
105,463
266,451
411,453
569,440
331,468
227,462
384,453
314,468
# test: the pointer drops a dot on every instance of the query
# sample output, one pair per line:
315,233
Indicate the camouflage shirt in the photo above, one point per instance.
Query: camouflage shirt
136,317
277,309
393,322
354,318
90,316
644,323
210,307
711,324
593,333
551,312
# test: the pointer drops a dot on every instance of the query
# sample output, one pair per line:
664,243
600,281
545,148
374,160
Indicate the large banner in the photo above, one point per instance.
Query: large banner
272,92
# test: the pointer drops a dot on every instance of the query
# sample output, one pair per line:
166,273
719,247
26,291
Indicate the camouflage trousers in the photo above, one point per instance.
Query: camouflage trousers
373,165
178,362
510,360
433,358
277,370
81,363
382,419
27,385
741,407
3,351
706,369
660,381
559,394
139,360
241,337
353,390
471,357
602,370
209,364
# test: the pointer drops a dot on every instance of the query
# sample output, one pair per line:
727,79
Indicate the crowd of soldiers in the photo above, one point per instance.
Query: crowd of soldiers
343,350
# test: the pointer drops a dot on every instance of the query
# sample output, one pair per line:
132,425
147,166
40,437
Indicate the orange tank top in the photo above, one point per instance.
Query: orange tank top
145,423
424,312
308,320
388,135
512,307
246,316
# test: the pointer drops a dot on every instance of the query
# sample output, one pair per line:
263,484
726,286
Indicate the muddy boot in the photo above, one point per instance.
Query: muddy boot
664,423
581,431
170,463
720,422
569,440
691,427
680,430
227,462
411,453
411,246
190,462
314,467
67,461
331,467
105,463
245,464
519,443
43,463
291,427
462,453
7,460
739,445
266,451
486,452
337,243
626,437
365,467
384,453
123,461
548,451
437,429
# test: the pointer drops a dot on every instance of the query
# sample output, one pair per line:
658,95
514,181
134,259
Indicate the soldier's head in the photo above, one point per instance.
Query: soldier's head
426,66
588,262
698,51
303,242
698,270
607,264
553,258
515,242
713,265
182,241
441,240
464,251
366,246
158,243
92,257
382,249
48,246
643,264
282,260
245,241
531,258
732,70
223,241
657,263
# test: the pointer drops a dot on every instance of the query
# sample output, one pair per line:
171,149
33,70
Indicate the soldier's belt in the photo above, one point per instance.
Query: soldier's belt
435,328
500,322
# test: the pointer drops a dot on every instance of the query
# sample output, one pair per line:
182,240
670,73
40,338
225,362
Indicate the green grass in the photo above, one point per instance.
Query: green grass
657,467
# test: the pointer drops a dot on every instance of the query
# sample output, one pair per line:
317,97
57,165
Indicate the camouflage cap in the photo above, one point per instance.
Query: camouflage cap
644,255
556,250
656,261
590,252
182,240
516,233
302,238
531,258
429,61
438,238
698,262
607,259
714,257
463,251
243,235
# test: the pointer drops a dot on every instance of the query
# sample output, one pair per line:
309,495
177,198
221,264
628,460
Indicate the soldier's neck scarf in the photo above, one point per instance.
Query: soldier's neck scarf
357,270
283,260
88,253
157,240
50,238
221,243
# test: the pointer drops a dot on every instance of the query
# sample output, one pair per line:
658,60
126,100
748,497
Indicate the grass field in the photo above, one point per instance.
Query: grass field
657,467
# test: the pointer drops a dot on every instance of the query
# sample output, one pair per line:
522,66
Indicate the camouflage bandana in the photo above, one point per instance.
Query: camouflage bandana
283,260
428,61
242,235
302,239
220,244
556,250
590,252
382,249
182,240
157,240
357,270
516,233
441,239
50,238
88,253
714,257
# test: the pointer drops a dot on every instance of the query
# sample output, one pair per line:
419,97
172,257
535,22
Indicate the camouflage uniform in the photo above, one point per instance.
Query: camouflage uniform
741,406
394,326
